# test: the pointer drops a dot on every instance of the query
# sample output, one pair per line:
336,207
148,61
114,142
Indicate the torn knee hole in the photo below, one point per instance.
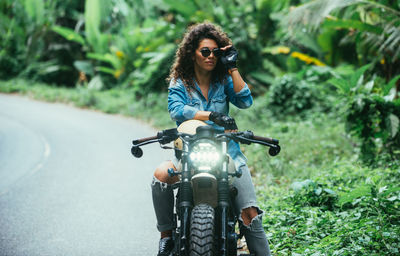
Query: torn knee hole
248,215
155,182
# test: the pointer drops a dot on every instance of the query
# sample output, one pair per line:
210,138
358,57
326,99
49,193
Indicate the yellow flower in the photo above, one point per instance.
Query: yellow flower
283,49
139,49
280,49
383,61
120,54
318,63
307,59
118,73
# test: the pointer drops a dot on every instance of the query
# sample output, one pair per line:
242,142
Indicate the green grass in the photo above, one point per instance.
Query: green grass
115,101
317,196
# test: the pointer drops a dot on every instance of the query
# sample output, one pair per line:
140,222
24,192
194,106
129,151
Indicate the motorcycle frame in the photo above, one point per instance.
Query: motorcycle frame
185,203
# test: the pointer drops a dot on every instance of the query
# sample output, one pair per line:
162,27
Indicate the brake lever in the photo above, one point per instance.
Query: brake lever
166,136
238,136
244,138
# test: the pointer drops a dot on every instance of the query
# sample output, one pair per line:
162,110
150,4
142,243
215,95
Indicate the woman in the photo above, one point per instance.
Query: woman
203,80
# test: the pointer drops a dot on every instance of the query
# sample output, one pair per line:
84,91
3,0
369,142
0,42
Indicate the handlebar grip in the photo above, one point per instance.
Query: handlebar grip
135,142
269,140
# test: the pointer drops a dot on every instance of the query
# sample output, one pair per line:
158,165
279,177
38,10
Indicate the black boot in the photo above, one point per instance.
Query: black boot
165,247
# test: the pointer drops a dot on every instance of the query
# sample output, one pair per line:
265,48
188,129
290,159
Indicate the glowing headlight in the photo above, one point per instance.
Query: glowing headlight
204,156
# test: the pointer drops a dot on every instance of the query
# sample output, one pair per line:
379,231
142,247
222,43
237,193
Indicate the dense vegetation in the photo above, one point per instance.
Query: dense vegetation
326,76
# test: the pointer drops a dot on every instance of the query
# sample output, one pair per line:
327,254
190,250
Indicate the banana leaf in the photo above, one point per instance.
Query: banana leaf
35,10
69,34
184,7
354,24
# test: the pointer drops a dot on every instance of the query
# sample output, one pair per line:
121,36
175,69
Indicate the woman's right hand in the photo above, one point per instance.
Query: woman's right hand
223,120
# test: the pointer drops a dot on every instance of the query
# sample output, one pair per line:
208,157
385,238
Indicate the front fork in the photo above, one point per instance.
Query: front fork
185,203
223,204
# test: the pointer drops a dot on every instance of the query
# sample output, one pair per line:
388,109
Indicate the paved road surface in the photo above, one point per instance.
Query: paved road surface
69,185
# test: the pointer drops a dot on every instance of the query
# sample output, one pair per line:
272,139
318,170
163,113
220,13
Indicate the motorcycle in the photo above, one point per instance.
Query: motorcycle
204,217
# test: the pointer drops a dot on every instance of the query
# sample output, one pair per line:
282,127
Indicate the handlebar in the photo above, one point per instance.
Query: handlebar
268,140
143,140
248,137
166,136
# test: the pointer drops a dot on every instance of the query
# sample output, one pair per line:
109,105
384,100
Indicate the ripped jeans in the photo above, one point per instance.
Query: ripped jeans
163,201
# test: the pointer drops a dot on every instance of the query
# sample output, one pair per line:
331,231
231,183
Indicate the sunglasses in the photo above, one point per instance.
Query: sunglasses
205,52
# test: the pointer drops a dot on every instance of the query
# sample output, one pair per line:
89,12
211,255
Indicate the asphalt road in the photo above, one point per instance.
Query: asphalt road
69,185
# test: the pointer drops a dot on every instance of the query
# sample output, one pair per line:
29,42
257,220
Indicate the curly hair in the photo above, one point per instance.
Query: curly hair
183,66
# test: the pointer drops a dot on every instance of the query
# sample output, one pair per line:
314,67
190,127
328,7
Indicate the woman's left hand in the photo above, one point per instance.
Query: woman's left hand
229,56
226,47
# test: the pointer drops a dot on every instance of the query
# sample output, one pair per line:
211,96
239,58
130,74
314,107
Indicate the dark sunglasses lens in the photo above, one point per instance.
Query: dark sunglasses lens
217,52
205,52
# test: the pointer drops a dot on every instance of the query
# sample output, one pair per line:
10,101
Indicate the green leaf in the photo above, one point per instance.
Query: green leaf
105,70
69,34
390,190
84,66
393,126
35,10
368,86
96,83
262,77
363,190
354,24
309,41
94,11
341,84
390,85
299,185
329,191
356,78
107,57
184,7
270,66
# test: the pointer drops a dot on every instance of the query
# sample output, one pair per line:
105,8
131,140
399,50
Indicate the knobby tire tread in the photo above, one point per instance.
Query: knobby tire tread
202,231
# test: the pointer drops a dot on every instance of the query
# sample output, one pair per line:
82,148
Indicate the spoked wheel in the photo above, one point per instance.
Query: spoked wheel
202,231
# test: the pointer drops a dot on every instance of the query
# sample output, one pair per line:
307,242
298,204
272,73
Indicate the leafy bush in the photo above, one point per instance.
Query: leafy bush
361,218
30,48
310,193
377,123
372,114
291,96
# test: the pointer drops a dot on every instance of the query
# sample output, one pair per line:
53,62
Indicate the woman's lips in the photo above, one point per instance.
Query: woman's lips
210,62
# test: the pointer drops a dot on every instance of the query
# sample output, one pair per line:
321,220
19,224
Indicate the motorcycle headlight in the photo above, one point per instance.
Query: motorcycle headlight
204,156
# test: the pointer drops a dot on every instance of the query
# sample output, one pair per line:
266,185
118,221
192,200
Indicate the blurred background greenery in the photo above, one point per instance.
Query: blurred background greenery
325,76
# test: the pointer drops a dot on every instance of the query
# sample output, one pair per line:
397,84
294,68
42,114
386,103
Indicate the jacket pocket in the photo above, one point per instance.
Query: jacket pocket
195,103
220,104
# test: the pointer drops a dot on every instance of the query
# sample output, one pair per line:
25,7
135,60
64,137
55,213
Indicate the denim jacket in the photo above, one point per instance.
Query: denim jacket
183,106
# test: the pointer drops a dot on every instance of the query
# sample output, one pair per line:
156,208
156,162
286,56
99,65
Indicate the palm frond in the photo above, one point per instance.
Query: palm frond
313,13
387,42
384,35
393,40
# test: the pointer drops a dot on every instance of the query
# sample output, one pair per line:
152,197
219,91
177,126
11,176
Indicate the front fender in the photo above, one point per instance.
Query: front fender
205,189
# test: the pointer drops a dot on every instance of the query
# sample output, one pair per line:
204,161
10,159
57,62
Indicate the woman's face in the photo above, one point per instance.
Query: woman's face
206,63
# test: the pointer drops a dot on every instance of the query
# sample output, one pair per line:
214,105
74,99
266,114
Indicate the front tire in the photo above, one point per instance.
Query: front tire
202,231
